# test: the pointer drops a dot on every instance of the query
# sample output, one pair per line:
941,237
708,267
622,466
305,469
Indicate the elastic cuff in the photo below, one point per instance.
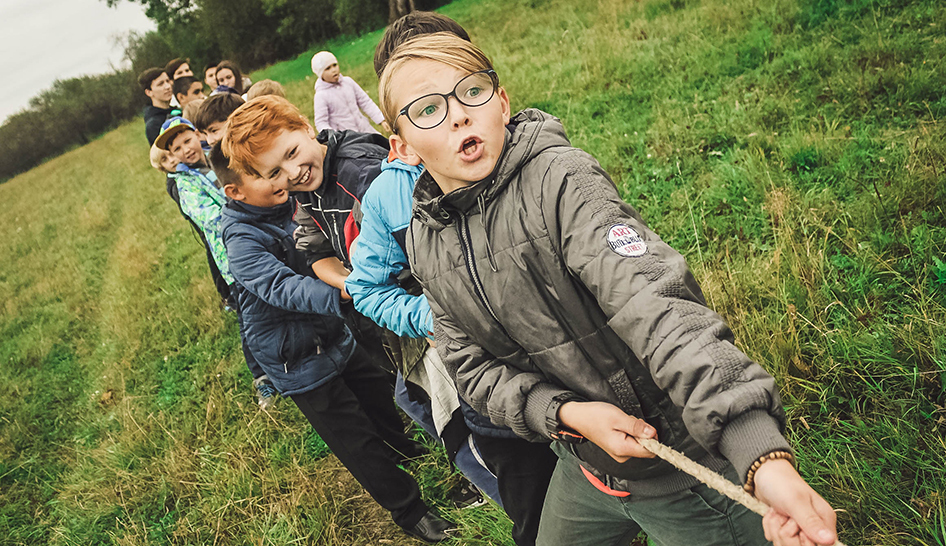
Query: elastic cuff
749,437
537,407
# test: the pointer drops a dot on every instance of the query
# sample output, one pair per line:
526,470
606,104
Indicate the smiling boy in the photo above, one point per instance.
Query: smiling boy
563,316
296,329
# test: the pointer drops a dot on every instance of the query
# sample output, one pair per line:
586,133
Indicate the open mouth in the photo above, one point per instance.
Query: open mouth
471,148
304,179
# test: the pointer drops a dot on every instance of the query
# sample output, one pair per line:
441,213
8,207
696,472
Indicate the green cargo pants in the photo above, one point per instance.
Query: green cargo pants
577,514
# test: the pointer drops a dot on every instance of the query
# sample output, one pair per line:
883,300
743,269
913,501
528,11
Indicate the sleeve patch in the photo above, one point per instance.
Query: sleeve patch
626,242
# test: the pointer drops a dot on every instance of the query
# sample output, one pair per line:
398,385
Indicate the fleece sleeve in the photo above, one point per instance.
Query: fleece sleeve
366,105
321,115
730,404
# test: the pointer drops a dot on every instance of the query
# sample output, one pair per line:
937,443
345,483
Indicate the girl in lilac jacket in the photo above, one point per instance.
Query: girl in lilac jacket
339,101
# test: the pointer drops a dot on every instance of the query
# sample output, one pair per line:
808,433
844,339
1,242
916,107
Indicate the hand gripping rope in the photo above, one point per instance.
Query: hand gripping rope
707,476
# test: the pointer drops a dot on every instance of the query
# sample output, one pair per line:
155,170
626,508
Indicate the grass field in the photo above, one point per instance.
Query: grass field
794,150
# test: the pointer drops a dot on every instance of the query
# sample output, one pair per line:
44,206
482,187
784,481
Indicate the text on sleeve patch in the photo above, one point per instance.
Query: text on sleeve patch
624,241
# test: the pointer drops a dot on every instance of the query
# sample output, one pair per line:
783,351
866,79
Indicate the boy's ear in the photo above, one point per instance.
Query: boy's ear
504,100
309,130
404,151
234,192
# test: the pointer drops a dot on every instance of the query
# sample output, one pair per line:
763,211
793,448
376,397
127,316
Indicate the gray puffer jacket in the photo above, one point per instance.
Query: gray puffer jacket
543,282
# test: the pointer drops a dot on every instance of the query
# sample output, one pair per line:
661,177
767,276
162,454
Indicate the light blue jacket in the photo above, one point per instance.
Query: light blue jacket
379,255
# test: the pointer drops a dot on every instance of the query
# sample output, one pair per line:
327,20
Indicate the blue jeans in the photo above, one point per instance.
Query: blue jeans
468,459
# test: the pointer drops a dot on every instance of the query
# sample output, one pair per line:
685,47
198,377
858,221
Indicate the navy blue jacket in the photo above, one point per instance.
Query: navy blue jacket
293,320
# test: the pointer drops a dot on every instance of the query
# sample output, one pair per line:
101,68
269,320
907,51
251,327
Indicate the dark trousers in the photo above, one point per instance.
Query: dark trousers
354,414
523,470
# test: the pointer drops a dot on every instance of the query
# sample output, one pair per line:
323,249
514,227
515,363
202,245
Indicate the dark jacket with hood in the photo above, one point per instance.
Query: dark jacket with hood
546,286
292,320
329,217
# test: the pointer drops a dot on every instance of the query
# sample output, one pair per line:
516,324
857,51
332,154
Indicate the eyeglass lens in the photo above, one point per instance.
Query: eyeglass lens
429,111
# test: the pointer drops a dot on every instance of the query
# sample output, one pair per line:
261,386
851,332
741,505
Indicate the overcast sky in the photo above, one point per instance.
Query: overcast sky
45,40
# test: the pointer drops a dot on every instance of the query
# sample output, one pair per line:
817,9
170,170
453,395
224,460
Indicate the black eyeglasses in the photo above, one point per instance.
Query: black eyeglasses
430,110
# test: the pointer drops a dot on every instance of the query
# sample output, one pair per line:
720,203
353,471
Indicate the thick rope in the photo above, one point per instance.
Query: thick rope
707,476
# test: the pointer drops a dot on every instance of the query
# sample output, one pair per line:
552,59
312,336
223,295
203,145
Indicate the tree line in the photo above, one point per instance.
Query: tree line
253,33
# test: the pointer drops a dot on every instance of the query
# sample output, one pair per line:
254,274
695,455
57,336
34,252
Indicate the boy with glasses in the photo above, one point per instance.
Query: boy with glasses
561,315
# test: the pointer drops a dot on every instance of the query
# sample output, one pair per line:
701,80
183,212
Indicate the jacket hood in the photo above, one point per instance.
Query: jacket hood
529,133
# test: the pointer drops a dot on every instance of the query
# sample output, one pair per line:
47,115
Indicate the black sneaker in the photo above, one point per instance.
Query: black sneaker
467,495
432,528
265,392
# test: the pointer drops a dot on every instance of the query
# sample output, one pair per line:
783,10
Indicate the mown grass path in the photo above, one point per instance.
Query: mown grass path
794,150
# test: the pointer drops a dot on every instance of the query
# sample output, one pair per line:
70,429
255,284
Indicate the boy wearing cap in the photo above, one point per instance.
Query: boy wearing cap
339,101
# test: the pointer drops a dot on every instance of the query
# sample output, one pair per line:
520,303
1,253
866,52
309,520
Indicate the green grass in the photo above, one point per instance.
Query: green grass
793,150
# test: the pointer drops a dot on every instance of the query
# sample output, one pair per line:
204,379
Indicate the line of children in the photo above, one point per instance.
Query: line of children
563,316
556,311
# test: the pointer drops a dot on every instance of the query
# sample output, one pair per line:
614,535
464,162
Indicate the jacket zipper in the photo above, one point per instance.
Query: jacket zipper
466,243
334,234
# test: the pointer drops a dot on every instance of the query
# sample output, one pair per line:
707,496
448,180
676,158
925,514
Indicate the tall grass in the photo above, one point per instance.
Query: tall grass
794,150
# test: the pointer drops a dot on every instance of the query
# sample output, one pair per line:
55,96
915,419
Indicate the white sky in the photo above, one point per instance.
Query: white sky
45,40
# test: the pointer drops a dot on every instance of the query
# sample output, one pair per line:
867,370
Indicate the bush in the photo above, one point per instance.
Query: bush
72,112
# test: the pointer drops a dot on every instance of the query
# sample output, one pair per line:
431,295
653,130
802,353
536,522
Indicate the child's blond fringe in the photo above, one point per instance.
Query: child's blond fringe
707,476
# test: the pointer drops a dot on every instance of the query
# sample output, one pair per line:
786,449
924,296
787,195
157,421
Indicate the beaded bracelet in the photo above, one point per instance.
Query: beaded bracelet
771,456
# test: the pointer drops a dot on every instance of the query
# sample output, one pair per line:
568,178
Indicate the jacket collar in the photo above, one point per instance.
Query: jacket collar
272,215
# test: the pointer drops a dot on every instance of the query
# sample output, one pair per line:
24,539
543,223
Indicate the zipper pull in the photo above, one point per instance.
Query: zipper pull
285,367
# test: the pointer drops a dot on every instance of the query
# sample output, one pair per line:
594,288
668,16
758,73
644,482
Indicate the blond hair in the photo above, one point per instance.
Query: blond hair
157,157
189,112
252,128
265,87
441,47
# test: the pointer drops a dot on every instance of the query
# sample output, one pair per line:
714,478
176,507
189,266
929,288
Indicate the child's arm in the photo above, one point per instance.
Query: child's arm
260,272
333,273
366,105
376,264
321,116
730,404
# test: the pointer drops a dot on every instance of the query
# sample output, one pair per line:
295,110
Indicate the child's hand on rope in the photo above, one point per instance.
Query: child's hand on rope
799,516
608,427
